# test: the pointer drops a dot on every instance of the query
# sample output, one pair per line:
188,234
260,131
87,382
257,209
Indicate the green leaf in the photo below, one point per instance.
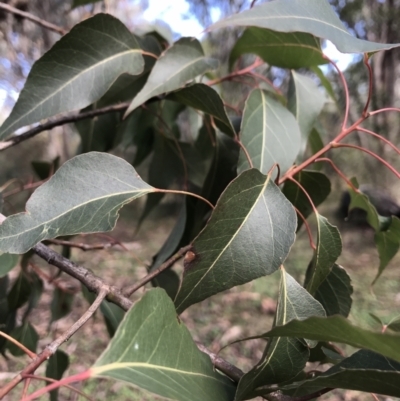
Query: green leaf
334,293
113,316
338,329
311,16
388,244
283,357
315,144
270,134
20,292
285,50
27,336
98,134
153,350
206,99
56,366
61,304
363,371
74,72
86,194
7,263
78,3
45,169
329,248
324,82
180,63
305,101
317,186
249,235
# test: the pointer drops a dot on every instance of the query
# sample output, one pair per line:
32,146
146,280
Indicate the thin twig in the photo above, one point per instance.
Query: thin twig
27,351
71,388
81,245
346,92
33,18
372,113
234,74
305,193
370,79
308,229
130,290
52,348
25,187
384,162
61,121
372,133
246,153
174,191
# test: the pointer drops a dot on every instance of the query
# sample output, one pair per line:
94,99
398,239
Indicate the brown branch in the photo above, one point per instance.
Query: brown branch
33,18
61,121
221,364
27,351
52,348
83,246
85,276
130,290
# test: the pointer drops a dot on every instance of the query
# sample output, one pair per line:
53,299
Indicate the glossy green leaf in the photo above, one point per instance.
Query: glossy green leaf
182,62
86,194
317,186
206,99
329,248
26,335
152,349
334,293
338,329
305,101
74,72
363,371
388,244
61,304
113,316
270,134
7,263
316,17
285,50
249,235
56,366
283,357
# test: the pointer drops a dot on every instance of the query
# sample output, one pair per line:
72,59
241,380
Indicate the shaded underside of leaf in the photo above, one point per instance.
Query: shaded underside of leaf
75,72
183,61
311,16
269,133
153,350
86,194
248,236
285,50
338,329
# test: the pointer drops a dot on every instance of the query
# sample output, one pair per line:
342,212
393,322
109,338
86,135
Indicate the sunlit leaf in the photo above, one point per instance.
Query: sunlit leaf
74,72
283,357
270,134
285,50
248,236
86,194
329,248
338,329
183,61
153,350
311,16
